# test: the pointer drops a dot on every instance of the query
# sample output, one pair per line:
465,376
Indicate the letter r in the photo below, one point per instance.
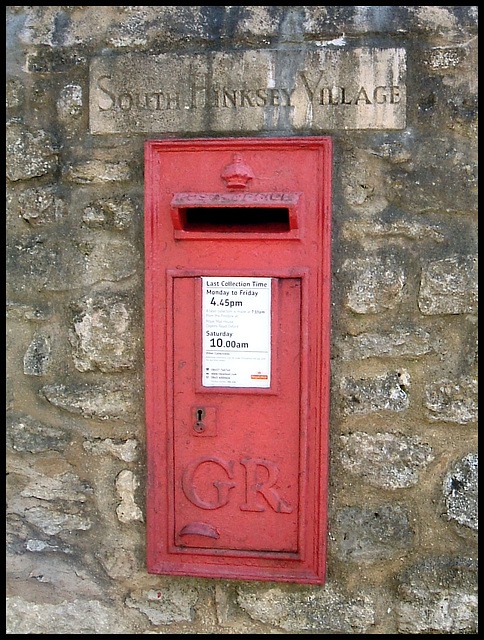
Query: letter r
266,489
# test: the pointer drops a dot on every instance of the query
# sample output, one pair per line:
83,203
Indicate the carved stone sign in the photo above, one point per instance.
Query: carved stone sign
249,91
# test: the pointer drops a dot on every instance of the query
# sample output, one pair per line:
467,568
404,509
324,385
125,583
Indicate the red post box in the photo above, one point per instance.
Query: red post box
238,257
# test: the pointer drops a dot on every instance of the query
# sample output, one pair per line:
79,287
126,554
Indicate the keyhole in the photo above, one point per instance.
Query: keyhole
199,425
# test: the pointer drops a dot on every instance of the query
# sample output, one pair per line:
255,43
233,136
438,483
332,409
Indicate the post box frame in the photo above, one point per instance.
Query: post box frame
163,555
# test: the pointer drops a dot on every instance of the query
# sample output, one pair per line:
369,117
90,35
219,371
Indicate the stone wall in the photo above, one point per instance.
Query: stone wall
403,451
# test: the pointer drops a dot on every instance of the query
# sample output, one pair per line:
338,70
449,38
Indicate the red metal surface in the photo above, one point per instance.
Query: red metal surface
237,476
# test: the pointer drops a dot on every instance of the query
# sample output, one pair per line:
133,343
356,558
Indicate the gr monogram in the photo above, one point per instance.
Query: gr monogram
257,494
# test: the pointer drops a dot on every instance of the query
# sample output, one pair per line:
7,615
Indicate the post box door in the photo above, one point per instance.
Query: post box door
236,454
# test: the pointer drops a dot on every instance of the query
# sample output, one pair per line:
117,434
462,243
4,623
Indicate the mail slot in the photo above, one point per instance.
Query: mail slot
238,265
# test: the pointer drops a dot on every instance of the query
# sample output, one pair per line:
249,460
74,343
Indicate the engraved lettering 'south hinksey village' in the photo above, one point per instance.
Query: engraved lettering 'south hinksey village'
249,91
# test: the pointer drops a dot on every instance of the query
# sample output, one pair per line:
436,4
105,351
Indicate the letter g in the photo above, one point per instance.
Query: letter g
223,488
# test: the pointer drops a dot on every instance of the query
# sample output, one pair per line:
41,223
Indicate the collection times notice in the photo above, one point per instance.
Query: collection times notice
236,332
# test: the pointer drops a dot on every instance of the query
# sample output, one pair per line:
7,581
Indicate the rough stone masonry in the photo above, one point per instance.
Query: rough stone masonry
396,89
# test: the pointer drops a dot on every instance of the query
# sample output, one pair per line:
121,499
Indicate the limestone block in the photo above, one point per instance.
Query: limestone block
453,400
30,152
66,617
408,342
26,434
438,595
126,450
323,610
461,491
373,284
102,333
38,355
364,534
385,460
53,521
69,103
41,205
110,213
449,286
66,486
388,392
103,401
126,485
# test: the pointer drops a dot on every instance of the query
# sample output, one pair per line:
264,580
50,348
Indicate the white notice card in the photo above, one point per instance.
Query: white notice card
236,332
